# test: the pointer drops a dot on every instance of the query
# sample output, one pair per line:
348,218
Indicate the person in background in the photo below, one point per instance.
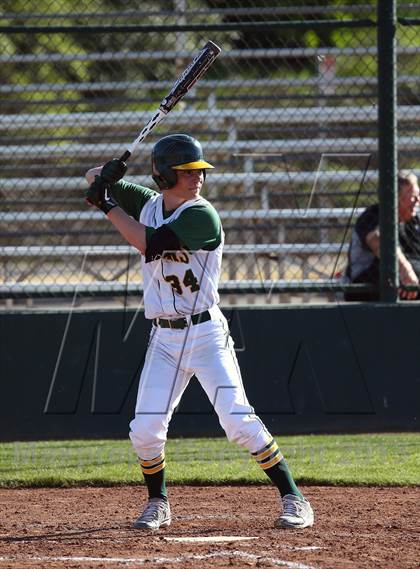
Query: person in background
363,256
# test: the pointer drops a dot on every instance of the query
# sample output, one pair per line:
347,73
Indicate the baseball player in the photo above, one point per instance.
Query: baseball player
180,238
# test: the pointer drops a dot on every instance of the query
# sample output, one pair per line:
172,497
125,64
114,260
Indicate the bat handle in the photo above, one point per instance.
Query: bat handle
125,156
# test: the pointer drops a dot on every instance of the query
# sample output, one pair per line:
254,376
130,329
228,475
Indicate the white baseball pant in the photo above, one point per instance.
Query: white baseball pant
173,357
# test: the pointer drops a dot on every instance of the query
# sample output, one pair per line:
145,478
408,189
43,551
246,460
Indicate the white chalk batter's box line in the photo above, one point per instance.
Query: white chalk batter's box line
230,538
180,559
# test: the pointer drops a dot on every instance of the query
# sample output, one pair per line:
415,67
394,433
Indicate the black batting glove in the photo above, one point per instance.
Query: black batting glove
97,195
113,171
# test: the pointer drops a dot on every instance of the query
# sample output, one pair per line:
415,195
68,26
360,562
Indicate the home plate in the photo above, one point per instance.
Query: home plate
209,539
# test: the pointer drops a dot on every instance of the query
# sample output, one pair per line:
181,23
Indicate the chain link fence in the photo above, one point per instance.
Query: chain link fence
287,114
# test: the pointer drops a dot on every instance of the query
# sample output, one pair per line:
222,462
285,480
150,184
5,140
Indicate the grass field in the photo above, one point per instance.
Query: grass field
379,459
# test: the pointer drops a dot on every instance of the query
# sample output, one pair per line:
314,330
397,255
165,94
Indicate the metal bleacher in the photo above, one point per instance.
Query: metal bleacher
247,264
287,220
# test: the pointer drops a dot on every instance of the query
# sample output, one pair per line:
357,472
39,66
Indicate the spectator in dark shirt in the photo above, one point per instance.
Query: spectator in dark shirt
363,257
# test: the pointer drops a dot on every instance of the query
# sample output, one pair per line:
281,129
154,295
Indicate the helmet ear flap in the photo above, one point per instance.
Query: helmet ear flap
164,179
160,181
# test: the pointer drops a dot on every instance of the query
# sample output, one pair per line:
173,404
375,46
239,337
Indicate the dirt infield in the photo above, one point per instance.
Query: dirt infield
90,527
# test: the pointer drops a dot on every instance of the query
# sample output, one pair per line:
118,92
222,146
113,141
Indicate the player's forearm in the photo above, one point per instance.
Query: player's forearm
132,231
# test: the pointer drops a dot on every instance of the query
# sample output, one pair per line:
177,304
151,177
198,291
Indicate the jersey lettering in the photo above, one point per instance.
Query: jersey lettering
177,256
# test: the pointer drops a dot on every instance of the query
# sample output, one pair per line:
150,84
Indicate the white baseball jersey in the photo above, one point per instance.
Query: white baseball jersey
179,283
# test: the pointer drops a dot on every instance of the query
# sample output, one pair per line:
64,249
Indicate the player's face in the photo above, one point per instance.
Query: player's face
408,201
189,183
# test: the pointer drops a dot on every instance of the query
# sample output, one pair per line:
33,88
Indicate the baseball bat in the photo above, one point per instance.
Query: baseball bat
182,85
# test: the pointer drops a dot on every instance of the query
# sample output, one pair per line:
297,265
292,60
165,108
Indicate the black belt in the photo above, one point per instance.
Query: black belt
181,323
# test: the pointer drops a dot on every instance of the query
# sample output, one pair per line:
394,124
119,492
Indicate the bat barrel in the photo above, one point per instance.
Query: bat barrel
188,78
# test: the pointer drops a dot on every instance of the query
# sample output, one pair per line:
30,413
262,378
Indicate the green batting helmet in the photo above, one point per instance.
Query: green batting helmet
176,152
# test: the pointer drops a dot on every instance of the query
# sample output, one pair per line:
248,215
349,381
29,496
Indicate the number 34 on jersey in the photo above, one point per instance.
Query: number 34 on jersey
189,280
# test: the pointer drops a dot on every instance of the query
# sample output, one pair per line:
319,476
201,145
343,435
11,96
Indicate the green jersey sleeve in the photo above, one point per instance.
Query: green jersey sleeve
198,227
131,197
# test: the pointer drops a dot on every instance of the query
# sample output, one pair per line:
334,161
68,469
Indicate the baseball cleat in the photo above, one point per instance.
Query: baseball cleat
156,514
297,513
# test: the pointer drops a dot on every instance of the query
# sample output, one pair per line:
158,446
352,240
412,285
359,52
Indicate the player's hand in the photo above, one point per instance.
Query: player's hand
113,171
97,195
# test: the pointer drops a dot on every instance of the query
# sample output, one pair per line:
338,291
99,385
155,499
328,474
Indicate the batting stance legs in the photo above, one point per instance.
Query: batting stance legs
205,350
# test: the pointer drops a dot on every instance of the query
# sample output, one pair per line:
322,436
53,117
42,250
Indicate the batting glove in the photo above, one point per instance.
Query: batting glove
98,195
113,171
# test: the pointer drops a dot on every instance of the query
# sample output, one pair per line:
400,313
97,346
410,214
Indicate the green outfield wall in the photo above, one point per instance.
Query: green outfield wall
334,368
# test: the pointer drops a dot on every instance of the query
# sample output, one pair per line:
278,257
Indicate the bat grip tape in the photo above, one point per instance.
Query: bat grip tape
125,156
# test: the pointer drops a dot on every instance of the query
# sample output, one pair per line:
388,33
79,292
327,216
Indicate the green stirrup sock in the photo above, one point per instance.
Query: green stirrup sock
154,476
275,466
283,479
156,484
